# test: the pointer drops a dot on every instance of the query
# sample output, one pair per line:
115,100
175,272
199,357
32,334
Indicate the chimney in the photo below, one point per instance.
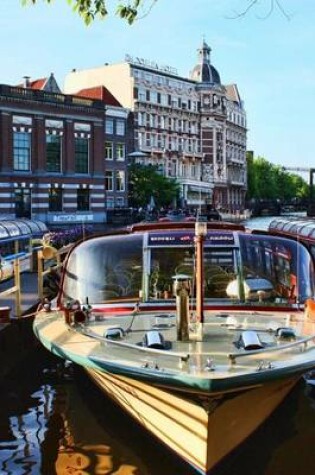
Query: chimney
26,82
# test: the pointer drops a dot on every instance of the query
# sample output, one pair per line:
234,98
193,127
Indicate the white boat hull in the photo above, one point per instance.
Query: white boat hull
201,430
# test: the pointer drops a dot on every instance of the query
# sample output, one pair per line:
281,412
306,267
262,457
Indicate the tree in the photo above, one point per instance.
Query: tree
270,182
146,182
131,10
90,10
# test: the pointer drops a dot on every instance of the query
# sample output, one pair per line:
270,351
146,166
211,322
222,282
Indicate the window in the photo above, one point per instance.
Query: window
141,139
120,202
83,198
22,151
55,198
148,139
153,97
120,180
108,150
109,181
120,127
81,152
22,198
120,151
109,126
53,153
109,202
141,118
142,95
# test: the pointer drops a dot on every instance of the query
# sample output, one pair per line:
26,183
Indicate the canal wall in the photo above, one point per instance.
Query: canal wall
16,333
16,341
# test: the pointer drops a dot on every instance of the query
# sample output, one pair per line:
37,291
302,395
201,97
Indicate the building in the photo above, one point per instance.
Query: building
115,146
52,153
193,129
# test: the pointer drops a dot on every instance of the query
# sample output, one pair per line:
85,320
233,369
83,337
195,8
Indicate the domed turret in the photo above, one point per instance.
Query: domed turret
204,72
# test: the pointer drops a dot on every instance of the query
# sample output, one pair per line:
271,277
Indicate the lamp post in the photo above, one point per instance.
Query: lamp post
200,233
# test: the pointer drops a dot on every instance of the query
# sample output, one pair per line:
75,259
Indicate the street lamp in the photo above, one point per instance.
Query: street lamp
200,234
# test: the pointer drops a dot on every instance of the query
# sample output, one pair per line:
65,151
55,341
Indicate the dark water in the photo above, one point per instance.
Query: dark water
53,420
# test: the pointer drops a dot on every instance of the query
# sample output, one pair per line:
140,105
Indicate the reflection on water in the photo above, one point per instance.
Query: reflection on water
53,420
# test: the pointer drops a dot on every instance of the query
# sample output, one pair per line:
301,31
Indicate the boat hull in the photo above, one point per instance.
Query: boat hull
202,430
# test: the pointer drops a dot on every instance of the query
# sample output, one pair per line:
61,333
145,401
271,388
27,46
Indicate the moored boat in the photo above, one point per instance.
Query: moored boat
197,330
299,229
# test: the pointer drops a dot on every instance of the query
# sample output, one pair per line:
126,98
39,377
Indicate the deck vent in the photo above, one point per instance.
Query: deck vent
154,339
285,333
249,340
115,333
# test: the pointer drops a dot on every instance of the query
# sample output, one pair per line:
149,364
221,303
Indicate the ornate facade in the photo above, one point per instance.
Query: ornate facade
193,129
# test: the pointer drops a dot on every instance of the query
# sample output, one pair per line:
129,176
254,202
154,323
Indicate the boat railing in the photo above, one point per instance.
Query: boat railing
302,342
181,355
184,357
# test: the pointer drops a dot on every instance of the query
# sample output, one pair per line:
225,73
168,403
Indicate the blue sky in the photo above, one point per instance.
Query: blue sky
272,61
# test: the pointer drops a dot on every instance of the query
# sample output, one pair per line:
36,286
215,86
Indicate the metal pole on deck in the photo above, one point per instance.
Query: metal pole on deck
40,268
200,233
17,282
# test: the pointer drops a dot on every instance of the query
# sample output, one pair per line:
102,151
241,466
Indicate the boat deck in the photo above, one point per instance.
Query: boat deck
218,356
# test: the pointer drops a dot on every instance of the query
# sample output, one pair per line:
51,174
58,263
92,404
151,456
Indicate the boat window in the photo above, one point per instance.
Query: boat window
312,250
105,269
3,232
12,228
284,263
293,228
287,227
305,231
168,262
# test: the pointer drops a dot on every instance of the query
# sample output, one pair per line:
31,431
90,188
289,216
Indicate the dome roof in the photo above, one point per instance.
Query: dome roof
204,72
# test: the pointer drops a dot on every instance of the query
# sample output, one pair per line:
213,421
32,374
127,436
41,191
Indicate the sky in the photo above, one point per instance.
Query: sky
272,60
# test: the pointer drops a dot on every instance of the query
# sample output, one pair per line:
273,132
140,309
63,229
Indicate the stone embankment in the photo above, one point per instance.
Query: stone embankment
16,335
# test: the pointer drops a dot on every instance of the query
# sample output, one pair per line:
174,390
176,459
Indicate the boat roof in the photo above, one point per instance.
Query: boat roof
11,229
293,227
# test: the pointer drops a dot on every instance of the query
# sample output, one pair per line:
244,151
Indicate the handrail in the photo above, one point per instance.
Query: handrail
182,356
16,288
41,268
232,356
185,356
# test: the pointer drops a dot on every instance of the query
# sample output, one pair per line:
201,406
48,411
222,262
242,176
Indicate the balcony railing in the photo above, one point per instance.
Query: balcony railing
22,93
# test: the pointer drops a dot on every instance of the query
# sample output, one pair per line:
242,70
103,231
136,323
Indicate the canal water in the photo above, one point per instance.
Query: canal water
53,420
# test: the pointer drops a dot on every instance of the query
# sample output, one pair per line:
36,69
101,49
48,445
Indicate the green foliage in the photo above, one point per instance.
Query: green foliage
146,181
268,181
90,10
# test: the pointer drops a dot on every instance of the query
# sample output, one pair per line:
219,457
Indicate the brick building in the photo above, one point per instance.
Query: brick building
52,153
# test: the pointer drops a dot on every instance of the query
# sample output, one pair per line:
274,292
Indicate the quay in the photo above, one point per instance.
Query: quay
16,333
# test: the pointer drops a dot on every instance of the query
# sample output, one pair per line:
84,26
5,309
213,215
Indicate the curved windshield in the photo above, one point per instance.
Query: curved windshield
237,267
105,269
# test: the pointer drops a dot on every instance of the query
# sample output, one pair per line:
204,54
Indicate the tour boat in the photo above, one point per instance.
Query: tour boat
197,330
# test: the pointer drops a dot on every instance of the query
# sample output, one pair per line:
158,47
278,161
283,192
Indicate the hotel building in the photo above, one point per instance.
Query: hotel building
193,129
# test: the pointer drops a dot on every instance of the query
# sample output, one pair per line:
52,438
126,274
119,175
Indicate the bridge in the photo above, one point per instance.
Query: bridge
311,171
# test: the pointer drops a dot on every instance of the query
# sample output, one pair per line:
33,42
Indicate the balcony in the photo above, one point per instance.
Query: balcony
22,94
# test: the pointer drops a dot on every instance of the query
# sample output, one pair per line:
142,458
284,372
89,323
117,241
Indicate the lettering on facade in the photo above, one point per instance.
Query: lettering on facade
148,63
70,218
